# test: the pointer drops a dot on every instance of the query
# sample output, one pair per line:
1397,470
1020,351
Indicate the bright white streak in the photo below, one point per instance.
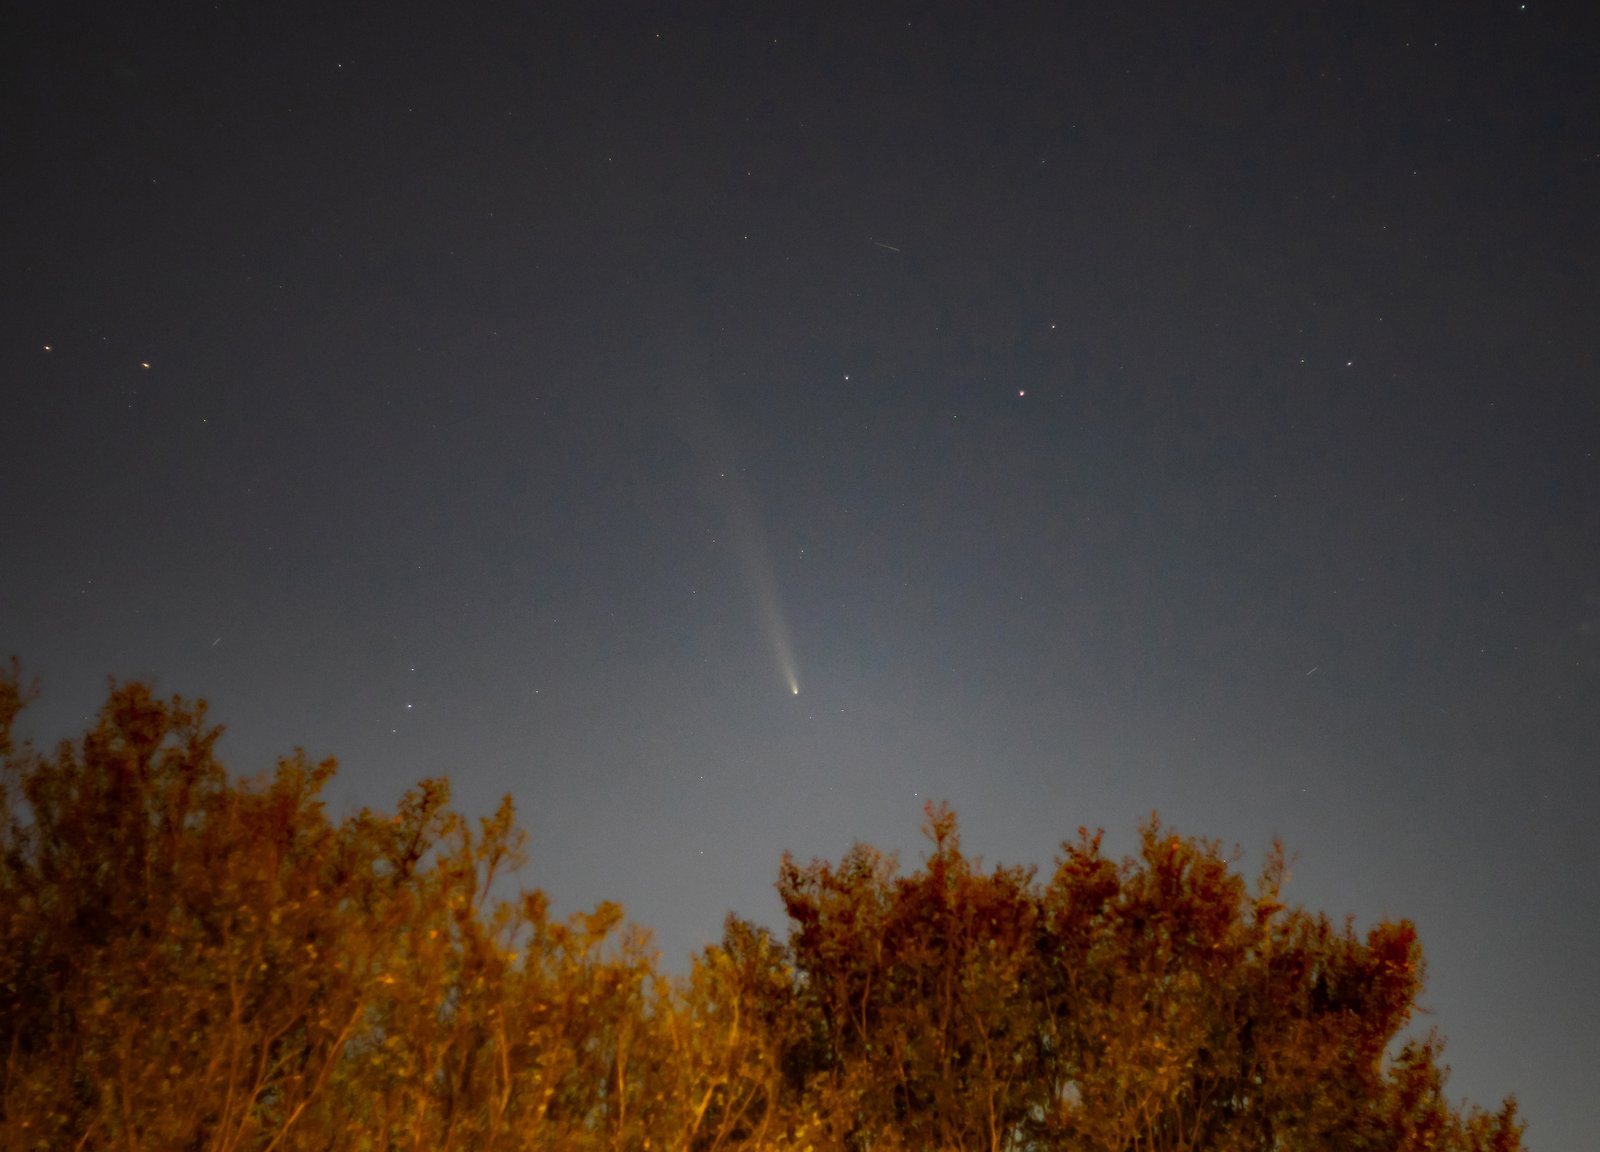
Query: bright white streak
756,559
732,495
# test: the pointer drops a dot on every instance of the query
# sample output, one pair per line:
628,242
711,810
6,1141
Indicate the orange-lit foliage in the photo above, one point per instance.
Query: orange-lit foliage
189,961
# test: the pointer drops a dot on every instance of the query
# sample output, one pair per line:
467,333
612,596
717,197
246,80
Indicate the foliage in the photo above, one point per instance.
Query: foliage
189,961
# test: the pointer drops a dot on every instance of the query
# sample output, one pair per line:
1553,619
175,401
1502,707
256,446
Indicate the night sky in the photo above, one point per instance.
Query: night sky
1088,408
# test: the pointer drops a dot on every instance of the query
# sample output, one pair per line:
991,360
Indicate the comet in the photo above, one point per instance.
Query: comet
756,559
749,542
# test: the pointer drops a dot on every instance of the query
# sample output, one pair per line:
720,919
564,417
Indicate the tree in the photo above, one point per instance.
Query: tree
192,961
166,977
1156,1004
